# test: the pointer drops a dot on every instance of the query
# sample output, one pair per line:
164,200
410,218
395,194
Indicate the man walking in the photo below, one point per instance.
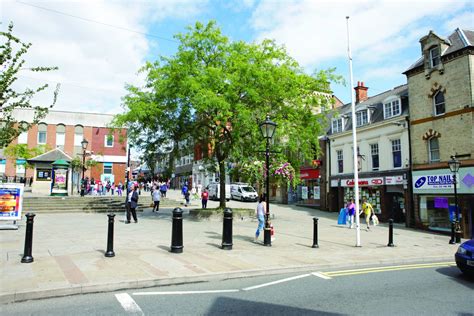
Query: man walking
156,194
368,211
132,205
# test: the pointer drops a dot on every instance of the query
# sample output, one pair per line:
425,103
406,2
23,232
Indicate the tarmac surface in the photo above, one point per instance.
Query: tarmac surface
68,250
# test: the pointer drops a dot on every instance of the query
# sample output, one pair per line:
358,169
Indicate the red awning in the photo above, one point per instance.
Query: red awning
309,173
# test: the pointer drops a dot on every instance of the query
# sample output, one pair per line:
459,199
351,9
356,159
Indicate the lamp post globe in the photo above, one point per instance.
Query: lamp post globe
454,165
267,128
84,145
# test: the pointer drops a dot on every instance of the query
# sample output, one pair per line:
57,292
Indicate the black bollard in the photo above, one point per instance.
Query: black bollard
458,232
390,233
110,237
27,257
177,231
315,233
227,230
451,241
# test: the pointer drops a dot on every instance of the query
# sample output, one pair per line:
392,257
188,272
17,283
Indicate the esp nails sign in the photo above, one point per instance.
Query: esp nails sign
363,182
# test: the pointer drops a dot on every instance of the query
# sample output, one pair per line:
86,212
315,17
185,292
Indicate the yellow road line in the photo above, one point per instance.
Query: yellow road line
389,268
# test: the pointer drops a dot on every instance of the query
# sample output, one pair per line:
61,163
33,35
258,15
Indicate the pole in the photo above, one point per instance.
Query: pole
267,239
390,233
177,231
315,233
227,229
458,224
83,171
354,140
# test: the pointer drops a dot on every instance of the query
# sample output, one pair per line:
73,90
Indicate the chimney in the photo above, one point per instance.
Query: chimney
361,92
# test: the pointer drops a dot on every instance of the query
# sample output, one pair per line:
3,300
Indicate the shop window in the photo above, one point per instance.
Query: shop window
340,161
374,151
435,212
438,103
43,174
42,132
433,150
108,167
396,153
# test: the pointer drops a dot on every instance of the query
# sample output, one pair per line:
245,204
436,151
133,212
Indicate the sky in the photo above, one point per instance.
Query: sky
99,46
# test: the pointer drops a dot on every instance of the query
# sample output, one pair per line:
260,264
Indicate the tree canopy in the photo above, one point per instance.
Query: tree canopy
216,92
12,50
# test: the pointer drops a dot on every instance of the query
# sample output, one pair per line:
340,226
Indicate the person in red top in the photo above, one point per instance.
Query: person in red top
204,198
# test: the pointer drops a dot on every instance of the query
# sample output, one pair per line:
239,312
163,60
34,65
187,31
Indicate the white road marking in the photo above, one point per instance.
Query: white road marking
128,304
321,275
276,282
186,292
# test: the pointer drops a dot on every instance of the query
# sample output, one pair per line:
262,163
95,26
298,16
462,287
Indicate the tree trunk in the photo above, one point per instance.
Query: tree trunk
222,184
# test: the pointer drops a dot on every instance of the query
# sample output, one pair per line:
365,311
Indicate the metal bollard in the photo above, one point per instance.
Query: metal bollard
451,241
315,233
27,257
177,231
390,233
227,230
110,237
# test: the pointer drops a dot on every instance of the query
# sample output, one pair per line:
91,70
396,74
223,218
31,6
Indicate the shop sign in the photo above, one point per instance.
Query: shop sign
334,183
11,200
394,180
439,181
309,174
364,182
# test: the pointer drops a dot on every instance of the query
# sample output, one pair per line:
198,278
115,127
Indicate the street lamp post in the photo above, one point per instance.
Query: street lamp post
84,144
454,165
268,129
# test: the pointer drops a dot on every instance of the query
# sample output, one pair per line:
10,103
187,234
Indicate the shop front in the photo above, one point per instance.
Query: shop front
308,192
435,201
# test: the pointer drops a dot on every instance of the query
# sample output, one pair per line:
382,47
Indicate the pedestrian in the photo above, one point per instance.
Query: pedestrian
368,210
112,188
350,212
163,189
132,205
204,198
260,213
184,192
155,195
119,189
186,198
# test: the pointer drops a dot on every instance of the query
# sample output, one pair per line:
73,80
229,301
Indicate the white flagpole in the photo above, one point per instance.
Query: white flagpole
354,141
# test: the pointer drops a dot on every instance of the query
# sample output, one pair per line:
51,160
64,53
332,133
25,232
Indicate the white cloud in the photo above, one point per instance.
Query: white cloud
315,31
95,60
463,21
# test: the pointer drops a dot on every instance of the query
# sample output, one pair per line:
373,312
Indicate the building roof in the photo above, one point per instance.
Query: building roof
51,156
375,104
67,118
458,40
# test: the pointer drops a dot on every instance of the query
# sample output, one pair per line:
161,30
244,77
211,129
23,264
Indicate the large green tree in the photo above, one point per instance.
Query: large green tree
218,91
12,50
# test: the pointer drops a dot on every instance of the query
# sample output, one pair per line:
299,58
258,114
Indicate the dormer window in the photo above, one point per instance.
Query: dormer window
435,57
337,125
362,118
391,109
438,103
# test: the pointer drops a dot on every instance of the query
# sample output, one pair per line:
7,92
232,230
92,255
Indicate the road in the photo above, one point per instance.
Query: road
418,289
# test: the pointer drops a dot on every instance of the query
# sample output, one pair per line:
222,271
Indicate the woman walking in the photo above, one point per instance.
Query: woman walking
260,212
156,194
351,212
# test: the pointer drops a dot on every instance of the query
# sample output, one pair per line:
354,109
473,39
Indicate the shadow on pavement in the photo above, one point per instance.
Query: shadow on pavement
457,276
227,305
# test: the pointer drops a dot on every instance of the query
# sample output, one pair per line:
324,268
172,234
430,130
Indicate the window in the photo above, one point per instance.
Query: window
434,56
78,135
362,118
42,129
337,125
2,165
374,152
433,150
60,136
20,167
109,141
108,167
340,161
438,101
397,153
43,174
391,109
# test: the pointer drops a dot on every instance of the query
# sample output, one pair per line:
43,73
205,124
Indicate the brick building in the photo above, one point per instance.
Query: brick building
441,87
65,131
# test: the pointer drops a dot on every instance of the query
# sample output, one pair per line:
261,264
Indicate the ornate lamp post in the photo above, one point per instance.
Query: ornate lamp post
454,165
268,129
84,144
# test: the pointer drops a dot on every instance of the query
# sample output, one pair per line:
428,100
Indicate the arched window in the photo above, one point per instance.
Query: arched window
438,102
433,150
23,137
60,136
42,132
78,135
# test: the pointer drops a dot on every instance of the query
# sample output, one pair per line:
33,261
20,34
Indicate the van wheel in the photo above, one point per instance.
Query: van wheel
242,198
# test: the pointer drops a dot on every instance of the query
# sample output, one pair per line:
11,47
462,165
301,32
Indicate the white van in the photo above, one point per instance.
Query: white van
243,192
214,191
